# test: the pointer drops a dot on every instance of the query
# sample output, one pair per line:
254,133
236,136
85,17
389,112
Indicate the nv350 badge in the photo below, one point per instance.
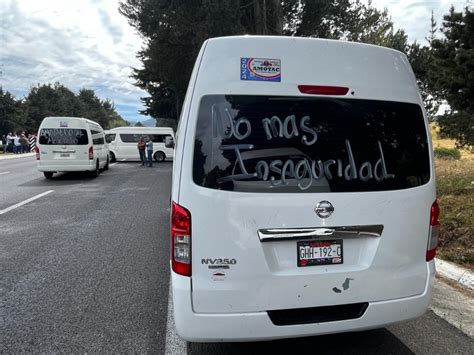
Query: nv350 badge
218,263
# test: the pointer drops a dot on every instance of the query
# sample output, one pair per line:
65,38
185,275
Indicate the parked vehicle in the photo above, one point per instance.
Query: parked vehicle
303,193
123,142
68,144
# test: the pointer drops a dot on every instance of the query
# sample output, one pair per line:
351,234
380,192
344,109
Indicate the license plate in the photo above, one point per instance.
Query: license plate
320,252
64,155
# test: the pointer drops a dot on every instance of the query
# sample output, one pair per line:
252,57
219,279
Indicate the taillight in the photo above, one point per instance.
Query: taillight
37,151
322,90
433,238
180,240
91,153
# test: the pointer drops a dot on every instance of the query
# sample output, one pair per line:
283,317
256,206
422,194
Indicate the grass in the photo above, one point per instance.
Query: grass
447,153
455,188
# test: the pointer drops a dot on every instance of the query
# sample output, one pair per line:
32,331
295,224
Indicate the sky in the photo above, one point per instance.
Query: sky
88,44
414,15
79,43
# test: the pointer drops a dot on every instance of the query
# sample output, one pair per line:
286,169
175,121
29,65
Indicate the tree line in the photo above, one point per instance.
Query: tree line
26,114
175,30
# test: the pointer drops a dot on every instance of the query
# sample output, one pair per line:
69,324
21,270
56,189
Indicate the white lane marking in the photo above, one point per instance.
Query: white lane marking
174,345
123,159
19,204
113,164
5,172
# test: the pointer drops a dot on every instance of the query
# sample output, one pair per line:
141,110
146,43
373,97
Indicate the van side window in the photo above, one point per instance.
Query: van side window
97,137
159,138
109,138
134,137
300,144
130,137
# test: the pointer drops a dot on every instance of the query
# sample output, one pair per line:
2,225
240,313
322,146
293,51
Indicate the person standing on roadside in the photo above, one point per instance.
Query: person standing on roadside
149,149
10,138
24,143
141,150
4,143
16,144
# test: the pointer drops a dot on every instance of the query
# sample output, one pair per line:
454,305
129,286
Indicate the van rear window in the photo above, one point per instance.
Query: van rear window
293,144
63,136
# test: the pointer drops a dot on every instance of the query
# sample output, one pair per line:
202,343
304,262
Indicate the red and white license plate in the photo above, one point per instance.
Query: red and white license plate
319,252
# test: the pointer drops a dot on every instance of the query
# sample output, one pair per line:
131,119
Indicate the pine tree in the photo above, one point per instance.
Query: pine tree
175,30
54,100
433,29
452,74
12,113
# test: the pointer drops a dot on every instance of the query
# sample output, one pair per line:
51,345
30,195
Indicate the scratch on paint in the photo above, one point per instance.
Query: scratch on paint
345,285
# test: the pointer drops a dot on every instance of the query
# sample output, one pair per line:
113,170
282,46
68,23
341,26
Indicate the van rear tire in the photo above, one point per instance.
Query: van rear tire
112,157
48,174
106,167
159,156
95,173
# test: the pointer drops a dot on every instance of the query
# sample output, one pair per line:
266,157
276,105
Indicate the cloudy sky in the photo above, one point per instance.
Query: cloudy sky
79,43
414,15
87,43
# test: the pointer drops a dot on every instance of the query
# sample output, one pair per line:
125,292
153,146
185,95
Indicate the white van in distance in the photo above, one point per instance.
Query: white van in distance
68,144
303,193
123,142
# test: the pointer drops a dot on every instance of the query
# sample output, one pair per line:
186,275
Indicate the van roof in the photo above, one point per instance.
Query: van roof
370,72
303,39
138,129
77,119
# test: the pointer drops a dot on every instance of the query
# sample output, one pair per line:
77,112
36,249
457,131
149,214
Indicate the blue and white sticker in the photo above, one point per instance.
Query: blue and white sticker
260,69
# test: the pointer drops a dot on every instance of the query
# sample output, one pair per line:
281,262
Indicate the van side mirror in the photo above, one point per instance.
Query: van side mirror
169,142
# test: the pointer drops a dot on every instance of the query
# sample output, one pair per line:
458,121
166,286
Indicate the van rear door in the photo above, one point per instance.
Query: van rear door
63,142
301,201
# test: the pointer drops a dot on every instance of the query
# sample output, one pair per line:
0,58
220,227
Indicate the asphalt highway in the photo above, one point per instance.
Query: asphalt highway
84,268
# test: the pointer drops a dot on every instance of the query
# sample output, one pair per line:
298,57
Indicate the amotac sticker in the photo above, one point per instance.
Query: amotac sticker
260,69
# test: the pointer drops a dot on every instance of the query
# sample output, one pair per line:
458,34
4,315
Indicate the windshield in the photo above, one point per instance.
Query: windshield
289,144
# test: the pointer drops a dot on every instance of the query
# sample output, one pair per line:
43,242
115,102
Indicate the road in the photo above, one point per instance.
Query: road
85,268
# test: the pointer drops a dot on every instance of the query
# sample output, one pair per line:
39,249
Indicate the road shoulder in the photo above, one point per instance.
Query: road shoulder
455,272
454,304
15,156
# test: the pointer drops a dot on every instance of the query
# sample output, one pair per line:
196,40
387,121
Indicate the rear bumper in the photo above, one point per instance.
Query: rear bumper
208,327
88,165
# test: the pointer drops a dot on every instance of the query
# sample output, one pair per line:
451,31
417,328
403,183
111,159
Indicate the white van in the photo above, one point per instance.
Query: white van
71,144
303,193
123,142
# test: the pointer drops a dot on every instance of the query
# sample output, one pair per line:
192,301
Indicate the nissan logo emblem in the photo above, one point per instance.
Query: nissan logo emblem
324,209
